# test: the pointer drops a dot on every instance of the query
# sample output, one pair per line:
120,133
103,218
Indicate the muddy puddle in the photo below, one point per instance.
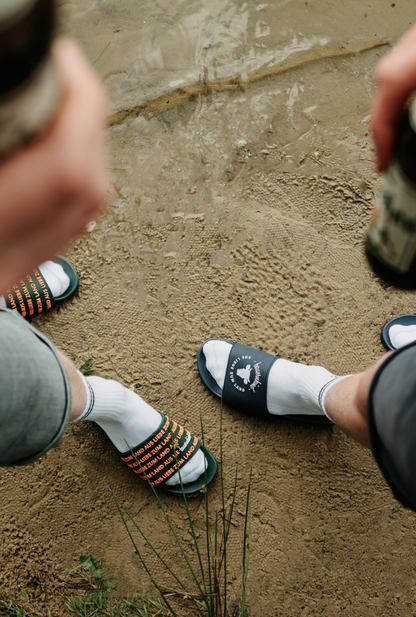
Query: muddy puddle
243,181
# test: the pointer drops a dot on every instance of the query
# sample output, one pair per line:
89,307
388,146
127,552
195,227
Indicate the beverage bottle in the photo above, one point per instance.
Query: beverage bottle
391,240
29,88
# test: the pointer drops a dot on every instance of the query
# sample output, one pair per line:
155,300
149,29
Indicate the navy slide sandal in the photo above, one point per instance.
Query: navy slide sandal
245,387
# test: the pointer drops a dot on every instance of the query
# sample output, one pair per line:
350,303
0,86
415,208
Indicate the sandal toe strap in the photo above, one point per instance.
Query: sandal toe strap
30,296
163,453
245,386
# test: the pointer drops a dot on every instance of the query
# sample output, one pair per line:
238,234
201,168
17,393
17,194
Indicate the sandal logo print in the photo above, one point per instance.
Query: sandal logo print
187,440
241,373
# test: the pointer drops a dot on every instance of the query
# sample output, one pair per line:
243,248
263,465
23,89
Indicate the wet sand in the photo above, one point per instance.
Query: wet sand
237,213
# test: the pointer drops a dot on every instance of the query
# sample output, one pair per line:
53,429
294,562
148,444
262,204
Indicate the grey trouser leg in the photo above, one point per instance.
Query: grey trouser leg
392,422
35,392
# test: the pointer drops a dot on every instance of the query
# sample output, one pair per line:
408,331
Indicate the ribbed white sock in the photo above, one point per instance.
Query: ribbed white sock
128,421
402,335
54,275
291,388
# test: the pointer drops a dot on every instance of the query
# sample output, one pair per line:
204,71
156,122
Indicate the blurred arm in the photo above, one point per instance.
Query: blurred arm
395,80
51,189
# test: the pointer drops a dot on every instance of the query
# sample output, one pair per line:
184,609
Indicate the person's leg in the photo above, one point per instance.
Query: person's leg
294,388
123,415
376,407
42,390
78,391
346,402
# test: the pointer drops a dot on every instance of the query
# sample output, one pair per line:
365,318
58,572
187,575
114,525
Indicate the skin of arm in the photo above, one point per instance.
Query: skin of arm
395,77
52,188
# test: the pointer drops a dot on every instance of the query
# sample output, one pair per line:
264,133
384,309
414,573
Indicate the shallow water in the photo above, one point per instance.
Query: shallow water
145,48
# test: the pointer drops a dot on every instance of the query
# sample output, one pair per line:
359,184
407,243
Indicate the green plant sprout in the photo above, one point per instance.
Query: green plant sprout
11,608
96,601
88,367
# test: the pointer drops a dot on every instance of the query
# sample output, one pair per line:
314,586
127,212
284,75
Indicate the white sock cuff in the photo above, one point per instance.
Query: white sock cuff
324,390
90,400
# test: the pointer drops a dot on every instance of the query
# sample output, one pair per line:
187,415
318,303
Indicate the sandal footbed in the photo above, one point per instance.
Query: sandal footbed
195,487
73,279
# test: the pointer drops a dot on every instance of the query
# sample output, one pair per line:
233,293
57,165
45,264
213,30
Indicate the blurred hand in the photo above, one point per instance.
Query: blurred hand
395,80
51,189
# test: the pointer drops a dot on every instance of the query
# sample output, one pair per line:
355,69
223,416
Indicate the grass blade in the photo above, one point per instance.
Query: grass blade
224,561
211,597
231,510
188,512
207,526
142,560
178,542
246,545
147,541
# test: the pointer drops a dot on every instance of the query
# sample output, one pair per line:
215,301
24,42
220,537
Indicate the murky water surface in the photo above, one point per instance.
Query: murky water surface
190,160
143,48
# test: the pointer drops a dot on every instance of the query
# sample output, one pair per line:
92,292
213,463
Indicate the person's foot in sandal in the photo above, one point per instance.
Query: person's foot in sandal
262,384
45,287
144,437
399,332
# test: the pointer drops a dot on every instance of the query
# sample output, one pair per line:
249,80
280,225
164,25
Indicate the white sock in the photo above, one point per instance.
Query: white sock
291,388
55,277
128,421
402,335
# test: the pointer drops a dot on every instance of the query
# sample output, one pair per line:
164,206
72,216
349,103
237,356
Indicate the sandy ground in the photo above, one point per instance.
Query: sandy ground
237,213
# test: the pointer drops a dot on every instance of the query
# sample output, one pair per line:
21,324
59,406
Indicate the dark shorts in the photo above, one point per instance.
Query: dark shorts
391,415
35,399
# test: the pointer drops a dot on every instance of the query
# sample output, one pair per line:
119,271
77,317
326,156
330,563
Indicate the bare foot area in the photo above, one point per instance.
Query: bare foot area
238,212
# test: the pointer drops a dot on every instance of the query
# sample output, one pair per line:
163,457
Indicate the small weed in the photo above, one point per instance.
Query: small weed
87,594
92,571
13,608
88,367
96,601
